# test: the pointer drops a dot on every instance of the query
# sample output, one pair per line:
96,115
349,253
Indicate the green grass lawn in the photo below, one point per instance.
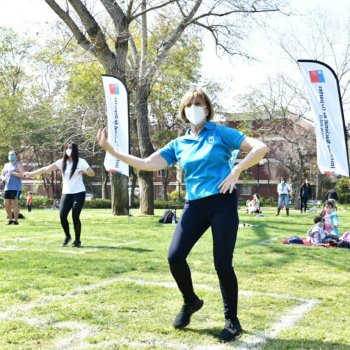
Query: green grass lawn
117,292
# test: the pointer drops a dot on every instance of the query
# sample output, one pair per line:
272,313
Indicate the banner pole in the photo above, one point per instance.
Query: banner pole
129,205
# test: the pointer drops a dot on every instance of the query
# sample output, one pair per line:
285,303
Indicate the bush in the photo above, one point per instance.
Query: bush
98,204
174,195
38,201
162,204
268,202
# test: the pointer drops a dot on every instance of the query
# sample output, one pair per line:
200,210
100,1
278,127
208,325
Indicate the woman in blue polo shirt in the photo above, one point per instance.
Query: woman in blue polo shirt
204,153
12,178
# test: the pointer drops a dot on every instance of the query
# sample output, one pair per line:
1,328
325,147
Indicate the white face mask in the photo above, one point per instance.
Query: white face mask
68,152
195,114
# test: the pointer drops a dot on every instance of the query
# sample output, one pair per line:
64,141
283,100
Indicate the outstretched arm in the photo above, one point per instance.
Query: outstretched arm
45,169
152,163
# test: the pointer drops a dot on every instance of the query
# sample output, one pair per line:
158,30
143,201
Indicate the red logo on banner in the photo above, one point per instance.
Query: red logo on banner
113,89
316,76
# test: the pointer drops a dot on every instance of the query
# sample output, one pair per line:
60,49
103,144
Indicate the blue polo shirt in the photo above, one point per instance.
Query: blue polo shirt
204,158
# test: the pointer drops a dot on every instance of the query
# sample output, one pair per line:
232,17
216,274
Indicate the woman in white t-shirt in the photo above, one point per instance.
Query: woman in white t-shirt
73,190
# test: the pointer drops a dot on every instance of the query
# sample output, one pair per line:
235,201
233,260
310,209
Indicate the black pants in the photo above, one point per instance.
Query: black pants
303,203
220,213
74,201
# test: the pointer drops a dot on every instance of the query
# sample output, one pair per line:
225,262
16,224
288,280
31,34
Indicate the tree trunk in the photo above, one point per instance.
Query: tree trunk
119,194
104,181
146,149
146,192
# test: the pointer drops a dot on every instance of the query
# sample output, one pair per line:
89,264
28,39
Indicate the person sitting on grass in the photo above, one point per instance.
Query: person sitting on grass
331,223
317,233
254,205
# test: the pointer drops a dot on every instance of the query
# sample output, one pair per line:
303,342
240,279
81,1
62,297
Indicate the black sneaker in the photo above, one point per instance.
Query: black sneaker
231,330
184,316
76,244
15,222
10,222
66,241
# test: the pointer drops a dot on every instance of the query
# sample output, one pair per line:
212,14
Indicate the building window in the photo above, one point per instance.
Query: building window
159,173
246,190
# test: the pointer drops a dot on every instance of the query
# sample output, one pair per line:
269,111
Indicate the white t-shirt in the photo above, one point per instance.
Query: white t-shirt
74,184
283,188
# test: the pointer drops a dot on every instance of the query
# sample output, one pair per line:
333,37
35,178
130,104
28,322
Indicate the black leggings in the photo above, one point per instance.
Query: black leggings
220,213
303,203
74,201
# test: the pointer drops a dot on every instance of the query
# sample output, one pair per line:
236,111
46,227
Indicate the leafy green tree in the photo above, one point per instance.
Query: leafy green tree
14,53
343,189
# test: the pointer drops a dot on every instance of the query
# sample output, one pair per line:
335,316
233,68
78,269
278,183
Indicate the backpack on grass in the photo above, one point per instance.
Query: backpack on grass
168,217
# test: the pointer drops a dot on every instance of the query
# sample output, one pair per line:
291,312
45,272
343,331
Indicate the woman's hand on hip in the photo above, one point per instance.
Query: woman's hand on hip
229,183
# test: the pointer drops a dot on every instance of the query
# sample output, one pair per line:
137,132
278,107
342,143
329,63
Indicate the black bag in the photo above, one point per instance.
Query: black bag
167,217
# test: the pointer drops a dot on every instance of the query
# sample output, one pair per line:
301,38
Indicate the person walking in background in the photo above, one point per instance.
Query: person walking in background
29,201
305,194
72,168
211,199
283,190
11,176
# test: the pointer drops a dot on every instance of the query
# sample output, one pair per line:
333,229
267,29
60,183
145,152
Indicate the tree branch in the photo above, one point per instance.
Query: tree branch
144,11
64,15
171,41
93,29
224,14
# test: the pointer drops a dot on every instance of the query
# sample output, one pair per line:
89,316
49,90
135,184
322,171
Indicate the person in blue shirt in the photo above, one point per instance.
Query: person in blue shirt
11,176
204,154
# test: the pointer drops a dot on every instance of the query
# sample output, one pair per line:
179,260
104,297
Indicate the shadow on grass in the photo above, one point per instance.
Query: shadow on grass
274,344
278,344
214,332
130,249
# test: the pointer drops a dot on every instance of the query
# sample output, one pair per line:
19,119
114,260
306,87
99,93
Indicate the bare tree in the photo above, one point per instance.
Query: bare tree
325,38
279,108
226,20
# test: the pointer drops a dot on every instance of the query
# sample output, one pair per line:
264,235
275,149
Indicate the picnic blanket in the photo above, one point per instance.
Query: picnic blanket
296,240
